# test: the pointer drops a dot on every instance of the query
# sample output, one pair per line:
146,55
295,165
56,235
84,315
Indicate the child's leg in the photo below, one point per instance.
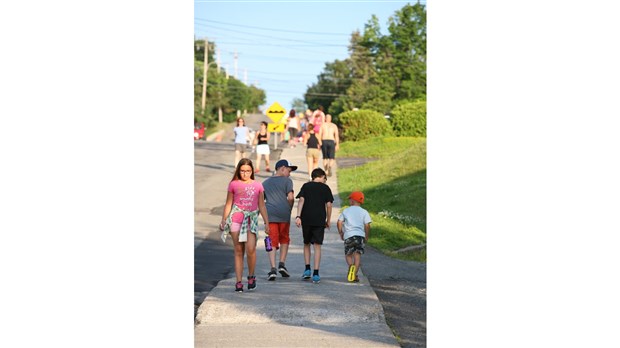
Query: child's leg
357,260
274,235
307,253
317,256
349,259
250,249
239,249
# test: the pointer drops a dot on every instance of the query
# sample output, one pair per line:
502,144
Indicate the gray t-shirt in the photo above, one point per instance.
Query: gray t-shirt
276,191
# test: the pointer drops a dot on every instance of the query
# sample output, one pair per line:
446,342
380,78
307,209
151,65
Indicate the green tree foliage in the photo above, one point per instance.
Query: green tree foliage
298,105
409,119
364,124
332,82
229,94
381,71
407,45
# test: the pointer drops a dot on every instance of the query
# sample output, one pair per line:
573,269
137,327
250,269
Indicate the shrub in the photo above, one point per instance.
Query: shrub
363,124
409,119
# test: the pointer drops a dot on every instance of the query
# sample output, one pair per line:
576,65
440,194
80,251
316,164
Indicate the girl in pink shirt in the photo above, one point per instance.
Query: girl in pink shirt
244,202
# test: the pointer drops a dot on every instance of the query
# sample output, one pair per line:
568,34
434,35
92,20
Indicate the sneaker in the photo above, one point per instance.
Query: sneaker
284,272
316,279
356,280
239,287
251,283
271,275
306,274
268,170
351,275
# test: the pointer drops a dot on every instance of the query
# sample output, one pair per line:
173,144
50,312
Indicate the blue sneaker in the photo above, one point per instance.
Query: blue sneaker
316,279
306,274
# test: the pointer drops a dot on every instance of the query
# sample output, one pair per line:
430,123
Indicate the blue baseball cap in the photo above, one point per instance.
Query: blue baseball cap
285,163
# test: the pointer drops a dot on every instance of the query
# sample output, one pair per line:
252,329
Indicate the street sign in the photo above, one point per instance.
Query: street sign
276,112
276,127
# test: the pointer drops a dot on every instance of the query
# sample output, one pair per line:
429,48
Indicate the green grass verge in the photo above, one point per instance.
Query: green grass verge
394,186
216,127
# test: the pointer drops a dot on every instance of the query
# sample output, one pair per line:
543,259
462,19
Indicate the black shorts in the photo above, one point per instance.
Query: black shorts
313,234
329,149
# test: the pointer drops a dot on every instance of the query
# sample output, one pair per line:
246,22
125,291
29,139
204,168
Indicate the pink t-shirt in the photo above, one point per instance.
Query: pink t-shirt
318,121
245,196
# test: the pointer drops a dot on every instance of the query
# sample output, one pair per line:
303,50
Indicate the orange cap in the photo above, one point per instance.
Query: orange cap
357,196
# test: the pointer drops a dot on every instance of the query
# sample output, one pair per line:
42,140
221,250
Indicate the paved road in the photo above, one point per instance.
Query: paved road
399,285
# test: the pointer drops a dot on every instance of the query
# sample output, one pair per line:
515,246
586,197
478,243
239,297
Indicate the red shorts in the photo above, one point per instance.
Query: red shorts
278,231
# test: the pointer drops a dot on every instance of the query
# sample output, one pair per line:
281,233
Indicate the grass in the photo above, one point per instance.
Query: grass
394,186
216,127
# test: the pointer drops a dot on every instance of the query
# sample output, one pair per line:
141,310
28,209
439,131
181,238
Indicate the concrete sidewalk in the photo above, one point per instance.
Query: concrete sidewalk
291,312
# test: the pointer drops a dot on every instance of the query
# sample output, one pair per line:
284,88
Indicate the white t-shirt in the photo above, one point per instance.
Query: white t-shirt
354,217
241,134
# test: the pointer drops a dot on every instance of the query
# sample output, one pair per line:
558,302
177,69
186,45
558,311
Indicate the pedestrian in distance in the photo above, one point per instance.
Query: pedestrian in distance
244,202
261,140
313,150
280,198
293,128
318,119
330,141
314,211
354,229
303,126
242,137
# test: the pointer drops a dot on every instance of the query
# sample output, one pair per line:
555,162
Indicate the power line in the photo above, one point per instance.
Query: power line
271,29
272,37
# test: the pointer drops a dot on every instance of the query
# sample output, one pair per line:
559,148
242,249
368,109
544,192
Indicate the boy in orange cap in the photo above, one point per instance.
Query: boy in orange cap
354,229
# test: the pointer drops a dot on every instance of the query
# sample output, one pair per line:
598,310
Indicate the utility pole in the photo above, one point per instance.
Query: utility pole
204,80
236,75
218,59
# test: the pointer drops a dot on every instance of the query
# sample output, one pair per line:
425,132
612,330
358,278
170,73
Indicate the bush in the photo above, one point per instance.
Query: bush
409,119
363,124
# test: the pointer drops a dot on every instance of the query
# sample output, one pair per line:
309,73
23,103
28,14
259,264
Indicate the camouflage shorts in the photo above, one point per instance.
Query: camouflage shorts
354,244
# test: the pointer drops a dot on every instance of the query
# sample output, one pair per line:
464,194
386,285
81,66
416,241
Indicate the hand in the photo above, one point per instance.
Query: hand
298,221
222,224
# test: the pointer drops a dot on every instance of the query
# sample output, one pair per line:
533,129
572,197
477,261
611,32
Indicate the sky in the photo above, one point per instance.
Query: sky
283,46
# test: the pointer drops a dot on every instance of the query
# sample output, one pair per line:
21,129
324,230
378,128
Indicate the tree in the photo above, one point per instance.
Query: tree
227,94
332,83
299,105
381,71
408,46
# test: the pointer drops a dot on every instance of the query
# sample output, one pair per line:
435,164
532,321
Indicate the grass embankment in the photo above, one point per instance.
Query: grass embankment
216,127
394,187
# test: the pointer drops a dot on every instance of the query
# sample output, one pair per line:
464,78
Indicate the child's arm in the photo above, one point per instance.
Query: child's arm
290,198
300,208
227,209
263,211
328,206
367,230
339,225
